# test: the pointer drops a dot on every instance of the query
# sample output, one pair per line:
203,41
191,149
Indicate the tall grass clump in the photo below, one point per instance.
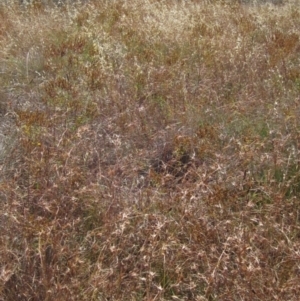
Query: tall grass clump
149,150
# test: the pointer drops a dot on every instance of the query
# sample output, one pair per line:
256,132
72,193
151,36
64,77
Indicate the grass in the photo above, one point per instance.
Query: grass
149,150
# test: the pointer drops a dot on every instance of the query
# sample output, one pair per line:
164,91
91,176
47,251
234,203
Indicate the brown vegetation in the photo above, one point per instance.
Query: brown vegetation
149,151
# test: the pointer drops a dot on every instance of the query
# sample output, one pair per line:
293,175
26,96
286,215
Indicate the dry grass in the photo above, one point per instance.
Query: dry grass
149,151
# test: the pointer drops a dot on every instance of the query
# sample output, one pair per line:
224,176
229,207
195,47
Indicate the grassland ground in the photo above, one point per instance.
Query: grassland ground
149,150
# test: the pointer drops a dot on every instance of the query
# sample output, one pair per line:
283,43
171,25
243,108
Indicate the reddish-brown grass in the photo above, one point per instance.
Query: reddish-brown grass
149,151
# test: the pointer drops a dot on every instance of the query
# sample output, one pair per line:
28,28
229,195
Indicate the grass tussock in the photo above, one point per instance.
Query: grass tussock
149,151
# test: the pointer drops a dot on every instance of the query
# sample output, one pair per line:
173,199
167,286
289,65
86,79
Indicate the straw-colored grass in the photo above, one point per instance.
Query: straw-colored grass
149,151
